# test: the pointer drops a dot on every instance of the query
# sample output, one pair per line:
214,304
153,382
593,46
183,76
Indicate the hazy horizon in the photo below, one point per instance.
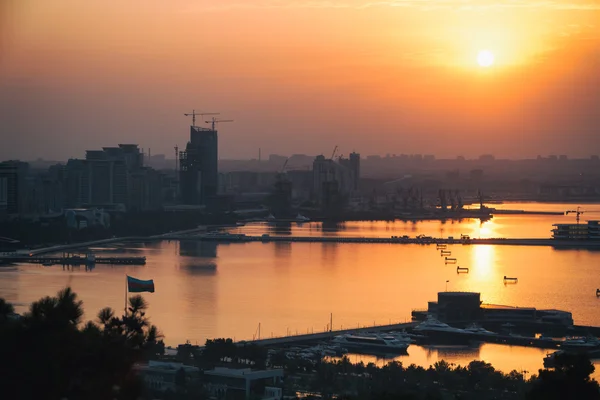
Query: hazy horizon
299,77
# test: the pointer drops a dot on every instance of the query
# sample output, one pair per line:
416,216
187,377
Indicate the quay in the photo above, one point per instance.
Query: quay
74,260
241,238
311,337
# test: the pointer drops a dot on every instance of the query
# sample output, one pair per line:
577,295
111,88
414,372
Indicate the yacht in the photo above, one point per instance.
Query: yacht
301,218
355,342
433,325
399,336
580,343
475,328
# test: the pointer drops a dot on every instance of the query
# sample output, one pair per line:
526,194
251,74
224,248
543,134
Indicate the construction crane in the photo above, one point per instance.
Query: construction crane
284,165
215,121
194,113
334,150
577,212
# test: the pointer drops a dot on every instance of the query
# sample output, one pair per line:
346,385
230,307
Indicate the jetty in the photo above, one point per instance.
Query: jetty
73,260
266,238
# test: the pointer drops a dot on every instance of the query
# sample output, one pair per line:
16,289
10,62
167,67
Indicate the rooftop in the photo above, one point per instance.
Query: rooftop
502,307
245,373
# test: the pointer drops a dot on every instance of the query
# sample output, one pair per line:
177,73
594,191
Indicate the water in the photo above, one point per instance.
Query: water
205,290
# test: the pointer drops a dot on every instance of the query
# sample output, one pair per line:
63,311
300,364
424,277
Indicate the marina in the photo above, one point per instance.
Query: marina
224,289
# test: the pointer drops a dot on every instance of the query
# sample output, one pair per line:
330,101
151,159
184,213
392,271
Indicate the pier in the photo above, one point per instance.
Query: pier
233,238
311,337
74,260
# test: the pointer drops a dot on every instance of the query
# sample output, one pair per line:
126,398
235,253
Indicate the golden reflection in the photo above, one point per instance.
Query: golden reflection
483,261
483,229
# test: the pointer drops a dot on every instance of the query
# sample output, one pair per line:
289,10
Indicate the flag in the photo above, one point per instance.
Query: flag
138,285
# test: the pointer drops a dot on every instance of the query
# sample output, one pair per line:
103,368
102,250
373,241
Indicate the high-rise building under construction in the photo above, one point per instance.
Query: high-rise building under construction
198,175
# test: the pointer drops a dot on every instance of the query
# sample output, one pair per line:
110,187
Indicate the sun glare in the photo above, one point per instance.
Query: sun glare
485,58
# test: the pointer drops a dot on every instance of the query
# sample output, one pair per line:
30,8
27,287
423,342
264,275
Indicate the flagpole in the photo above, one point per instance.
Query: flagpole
126,294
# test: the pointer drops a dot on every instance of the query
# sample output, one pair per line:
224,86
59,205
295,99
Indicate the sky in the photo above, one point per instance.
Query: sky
301,76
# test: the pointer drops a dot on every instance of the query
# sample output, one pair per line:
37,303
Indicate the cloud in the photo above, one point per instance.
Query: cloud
425,5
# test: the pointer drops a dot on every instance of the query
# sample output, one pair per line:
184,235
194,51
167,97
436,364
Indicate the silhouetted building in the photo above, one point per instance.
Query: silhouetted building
353,165
334,182
13,176
199,175
113,176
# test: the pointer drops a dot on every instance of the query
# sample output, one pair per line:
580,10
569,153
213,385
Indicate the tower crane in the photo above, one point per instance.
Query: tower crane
215,121
202,114
334,151
577,212
284,165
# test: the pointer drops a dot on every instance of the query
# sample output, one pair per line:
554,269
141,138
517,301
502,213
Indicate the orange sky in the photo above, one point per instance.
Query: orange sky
301,76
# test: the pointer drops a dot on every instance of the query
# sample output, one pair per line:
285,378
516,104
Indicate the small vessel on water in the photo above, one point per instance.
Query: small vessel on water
302,218
371,343
462,269
433,325
478,329
580,343
509,279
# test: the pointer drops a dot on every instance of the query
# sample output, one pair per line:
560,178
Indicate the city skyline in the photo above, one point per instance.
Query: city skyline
302,77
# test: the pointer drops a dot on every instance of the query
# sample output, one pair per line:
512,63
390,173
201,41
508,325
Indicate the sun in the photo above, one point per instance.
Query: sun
485,58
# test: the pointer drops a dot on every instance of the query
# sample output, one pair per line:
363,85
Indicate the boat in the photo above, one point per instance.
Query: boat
580,343
403,336
433,325
302,218
47,264
478,329
506,278
367,343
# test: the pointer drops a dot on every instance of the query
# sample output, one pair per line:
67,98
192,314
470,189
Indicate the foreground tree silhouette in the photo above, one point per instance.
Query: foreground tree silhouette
50,354
570,379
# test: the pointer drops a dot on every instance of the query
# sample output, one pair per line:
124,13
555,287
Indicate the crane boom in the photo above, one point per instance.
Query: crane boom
334,150
215,121
577,212
202,114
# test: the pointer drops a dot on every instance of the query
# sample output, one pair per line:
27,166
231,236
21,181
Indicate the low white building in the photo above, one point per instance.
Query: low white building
234,384
161,376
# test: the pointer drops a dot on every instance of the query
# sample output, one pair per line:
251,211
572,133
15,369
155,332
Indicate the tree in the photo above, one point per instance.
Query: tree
49,353
569,379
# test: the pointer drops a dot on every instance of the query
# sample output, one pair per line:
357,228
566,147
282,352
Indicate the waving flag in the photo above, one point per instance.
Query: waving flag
138,285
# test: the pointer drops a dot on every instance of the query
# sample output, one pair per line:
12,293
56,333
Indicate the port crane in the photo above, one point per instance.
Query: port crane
202,114
215,121
577,212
